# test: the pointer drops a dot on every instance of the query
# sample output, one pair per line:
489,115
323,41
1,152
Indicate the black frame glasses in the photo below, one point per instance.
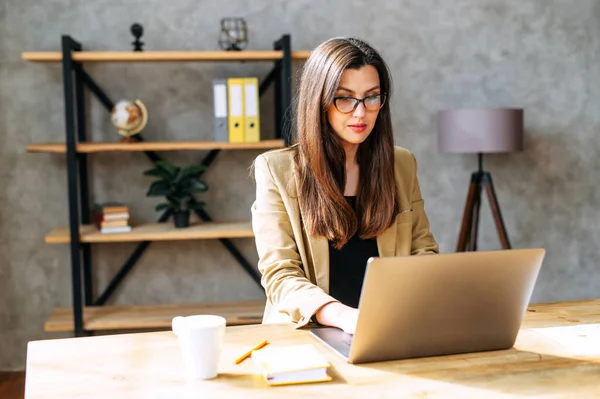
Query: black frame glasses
382,98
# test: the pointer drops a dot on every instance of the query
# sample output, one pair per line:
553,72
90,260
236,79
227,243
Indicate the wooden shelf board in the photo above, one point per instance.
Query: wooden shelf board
155,232
61,148
300,55
161,56
153,316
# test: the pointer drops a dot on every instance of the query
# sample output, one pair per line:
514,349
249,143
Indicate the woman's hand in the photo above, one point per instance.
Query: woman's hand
348,320
338,315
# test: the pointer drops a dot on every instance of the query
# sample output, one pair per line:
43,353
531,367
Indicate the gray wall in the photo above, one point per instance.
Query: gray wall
541,55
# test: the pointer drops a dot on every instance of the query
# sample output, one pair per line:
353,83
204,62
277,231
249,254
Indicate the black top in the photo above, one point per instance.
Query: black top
347,266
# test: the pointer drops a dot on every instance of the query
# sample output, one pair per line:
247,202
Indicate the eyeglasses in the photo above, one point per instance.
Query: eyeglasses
347,104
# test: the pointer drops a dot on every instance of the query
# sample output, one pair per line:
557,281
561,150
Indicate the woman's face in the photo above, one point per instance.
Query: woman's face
355,126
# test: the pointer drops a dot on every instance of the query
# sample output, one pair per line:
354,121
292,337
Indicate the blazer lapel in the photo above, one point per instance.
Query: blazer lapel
319,248
386,241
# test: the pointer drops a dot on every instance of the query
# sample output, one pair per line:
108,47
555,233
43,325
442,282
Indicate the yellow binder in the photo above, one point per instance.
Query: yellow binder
235,99
252,110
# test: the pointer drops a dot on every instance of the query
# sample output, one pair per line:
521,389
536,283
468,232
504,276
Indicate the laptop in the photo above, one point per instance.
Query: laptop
433,305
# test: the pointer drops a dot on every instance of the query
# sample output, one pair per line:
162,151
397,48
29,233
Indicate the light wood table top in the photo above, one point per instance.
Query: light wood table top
549,360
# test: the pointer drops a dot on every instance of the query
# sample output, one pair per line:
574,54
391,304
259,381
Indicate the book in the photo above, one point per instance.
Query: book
114,216
113,223
123,229
110,207
296,364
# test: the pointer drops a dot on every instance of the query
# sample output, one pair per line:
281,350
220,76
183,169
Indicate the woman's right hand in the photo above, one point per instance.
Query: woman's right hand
348,320
338,315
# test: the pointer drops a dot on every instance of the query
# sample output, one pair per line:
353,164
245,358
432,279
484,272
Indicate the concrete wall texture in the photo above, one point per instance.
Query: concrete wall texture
542,55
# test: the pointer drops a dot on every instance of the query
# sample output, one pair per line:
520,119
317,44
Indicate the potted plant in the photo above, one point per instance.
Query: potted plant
178,186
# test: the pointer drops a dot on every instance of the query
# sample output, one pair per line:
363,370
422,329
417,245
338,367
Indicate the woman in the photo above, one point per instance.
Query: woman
342,194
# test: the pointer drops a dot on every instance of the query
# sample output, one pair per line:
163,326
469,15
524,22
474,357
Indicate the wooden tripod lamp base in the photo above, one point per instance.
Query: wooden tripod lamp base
467,238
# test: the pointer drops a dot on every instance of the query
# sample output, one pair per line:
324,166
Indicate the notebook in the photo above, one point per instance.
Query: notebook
296,364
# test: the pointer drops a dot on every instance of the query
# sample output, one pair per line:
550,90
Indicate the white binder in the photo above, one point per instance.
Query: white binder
221,130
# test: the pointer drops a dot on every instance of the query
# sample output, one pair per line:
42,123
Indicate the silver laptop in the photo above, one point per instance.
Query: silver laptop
432,305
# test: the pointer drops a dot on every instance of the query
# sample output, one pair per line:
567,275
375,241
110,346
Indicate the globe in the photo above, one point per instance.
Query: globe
128,117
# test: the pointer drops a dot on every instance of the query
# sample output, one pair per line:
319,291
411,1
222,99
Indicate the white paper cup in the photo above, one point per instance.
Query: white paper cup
201,340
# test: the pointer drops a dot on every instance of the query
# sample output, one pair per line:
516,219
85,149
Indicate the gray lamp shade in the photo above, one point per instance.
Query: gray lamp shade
480,130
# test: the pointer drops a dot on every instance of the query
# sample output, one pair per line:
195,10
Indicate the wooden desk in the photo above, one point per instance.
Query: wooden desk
148,365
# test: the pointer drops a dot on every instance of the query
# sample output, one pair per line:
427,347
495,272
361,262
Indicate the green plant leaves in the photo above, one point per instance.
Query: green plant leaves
197,186
164,170
190,171
173,200
158,172
159,188
169,168
163,206
177,185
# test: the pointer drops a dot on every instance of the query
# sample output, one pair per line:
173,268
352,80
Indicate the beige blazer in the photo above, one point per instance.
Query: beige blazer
295,265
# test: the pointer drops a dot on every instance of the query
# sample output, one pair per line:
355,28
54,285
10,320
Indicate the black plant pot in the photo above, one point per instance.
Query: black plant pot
181,219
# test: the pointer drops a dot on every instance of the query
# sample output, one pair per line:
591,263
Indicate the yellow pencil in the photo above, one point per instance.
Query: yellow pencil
247,354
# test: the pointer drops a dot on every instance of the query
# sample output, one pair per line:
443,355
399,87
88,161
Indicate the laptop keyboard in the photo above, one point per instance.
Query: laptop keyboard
347,339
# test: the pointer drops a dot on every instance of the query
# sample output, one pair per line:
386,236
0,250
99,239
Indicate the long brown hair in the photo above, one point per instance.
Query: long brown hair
320,158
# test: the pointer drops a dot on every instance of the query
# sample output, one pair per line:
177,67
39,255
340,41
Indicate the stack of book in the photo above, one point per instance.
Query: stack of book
112,217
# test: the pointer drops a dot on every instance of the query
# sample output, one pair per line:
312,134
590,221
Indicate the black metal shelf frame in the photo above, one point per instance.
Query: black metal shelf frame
75,79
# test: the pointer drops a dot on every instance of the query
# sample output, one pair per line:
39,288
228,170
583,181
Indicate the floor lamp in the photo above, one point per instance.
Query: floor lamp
480,131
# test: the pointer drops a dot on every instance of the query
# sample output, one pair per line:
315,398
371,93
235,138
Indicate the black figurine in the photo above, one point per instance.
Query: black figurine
137,30
234,34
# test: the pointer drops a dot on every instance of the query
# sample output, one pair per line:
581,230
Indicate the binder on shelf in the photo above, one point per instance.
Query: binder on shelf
252,110
235,99
221,130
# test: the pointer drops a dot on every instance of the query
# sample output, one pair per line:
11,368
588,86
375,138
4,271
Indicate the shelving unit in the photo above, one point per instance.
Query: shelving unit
162,56
61,148
154,232
89,313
